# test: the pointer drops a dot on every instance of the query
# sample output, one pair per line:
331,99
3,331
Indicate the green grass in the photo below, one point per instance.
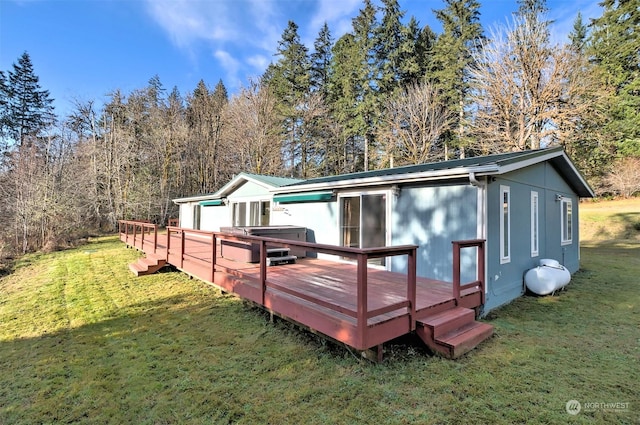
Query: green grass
84,341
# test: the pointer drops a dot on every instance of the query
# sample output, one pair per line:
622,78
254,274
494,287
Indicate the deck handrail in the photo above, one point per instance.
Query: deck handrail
479,283
135,231
361,255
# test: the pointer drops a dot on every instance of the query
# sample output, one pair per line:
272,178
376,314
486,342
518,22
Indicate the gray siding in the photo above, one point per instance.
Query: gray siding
432,217
505,281
320,218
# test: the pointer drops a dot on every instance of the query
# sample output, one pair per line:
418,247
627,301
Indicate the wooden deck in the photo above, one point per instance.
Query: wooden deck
350,302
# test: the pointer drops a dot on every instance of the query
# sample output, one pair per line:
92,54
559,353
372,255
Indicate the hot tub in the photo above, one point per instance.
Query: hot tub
249,252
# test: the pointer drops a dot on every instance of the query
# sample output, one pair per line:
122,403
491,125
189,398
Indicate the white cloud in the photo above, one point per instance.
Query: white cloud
188,21
337,13
258,62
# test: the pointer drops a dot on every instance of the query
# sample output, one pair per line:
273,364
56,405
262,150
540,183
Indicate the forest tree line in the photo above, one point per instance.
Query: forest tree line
390,92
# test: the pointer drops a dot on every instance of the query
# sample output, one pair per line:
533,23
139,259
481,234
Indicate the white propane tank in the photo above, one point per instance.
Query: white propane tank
548,277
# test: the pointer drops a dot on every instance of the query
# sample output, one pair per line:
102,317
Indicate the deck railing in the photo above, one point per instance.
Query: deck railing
479,283
206,255
201,259
139,234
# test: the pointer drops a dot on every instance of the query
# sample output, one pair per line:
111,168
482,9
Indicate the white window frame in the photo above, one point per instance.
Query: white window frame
247,213
505,251
535,224
566,221
389,199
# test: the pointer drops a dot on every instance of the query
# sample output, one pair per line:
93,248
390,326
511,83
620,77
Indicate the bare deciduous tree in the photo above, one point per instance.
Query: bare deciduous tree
413,124
526,91
253,131
624,178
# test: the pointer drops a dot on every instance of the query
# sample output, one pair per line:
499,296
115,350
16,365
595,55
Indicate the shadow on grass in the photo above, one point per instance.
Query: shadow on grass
628,228
169,360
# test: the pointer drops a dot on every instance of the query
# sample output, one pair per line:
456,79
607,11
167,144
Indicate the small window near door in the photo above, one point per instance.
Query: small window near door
534,224
239,211
567,221
505,224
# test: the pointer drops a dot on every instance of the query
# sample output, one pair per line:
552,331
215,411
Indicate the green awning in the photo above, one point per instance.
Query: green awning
304,197
213,203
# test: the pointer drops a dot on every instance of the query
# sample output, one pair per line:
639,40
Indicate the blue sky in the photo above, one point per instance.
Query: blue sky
84,49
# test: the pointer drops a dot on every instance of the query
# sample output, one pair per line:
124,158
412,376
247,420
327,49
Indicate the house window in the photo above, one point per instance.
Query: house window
534,224
505,224
254,213
259,213
196,217
567,221
239,211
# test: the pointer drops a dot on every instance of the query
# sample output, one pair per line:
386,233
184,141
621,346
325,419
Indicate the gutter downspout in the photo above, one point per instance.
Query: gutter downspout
481,231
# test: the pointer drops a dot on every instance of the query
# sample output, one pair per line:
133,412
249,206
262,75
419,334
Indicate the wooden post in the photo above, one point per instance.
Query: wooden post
263,269
361,302
168,243
456,271
213,256
481,271
155,238
411,285
135,235
182,236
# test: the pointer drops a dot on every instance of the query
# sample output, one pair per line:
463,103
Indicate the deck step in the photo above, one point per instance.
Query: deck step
285,259
453,332
147,265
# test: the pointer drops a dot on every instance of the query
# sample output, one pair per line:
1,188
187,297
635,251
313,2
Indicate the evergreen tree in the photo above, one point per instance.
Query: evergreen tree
29,109
388,44
416,53
615,50
453,55
4,110
343,98
578,35
321,61
366,73
289,79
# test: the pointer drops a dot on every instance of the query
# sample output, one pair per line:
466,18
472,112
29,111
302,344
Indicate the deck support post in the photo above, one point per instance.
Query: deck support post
456,271
263,269
481,272
362,298
182,236
411,286
168,242
155,238
213,255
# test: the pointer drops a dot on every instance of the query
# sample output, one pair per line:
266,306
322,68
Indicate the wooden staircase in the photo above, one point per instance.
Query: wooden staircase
148,265
453,332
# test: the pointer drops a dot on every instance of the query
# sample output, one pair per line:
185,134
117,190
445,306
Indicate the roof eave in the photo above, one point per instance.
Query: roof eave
448,174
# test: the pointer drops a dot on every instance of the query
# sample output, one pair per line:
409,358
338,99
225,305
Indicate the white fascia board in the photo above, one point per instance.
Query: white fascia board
462,172
526,163
543,158
197,198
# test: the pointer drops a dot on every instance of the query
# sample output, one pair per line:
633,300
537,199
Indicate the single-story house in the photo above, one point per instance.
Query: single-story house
246,200
524,204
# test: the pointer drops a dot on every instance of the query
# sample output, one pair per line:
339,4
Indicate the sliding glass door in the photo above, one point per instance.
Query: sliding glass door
363,221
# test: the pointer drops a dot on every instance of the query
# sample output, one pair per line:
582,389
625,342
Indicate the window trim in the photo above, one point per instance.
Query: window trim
505,257
566,221
535,224
263,205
